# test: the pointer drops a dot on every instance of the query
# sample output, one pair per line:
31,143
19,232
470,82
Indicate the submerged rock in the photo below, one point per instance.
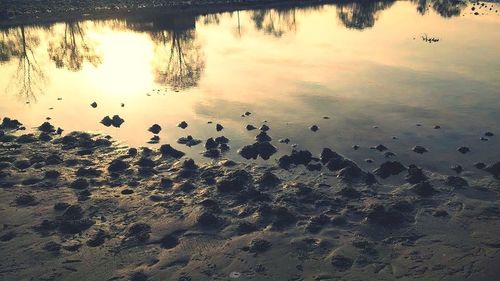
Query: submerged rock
189,141
250,128
463,149
314,128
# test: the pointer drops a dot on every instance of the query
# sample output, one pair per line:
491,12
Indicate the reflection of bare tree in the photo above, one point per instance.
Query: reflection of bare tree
178,61
72,49
362,14
275,22
448,8
19,43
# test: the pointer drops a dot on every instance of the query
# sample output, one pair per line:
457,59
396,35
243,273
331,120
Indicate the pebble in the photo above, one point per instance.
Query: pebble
183,125
155,129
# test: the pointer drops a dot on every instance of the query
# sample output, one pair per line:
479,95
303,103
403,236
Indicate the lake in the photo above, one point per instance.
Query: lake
364,73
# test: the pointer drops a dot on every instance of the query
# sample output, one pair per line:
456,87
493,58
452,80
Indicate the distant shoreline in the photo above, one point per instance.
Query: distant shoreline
26,15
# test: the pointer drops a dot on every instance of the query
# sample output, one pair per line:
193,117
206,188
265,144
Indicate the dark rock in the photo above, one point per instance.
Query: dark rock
245,228
264,128
327,154
8,236
88,172
489,134
212,153
314,128
22,164
211,144
424,189
209,220
219,127
234,181
61,206
117,166
341,263
183,125
263,137
146,162
355,147
10,124
389,168
389,154
285,140
26,200
155,129
479,165
107,121
169,241
494,169
369,161
166,183
46,127
167,150
221,140
415,175
127,191
139,232
265,149
314,167
463,149
73,212
301,157
185,187
132,152
26,138
455,181
457,168
94,104
419,149
349,192
250,127
45,137
380,147
350,173
138,276
284,162
52,247
189,141
336,164
268,179
97,238
259,246
79,184
117,121
437,127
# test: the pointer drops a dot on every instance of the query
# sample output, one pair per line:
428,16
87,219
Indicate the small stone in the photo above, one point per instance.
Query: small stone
183,125
219,127
463,149
263,137
314,128
117,121
94,104
419,149
389,168
264,128
437,127
46,127
355,147
106,121
380,147
285,140
479,165
489,134
250,128
155,129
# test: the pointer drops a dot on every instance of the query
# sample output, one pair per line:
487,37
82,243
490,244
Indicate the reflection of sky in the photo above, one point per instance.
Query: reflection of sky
313,67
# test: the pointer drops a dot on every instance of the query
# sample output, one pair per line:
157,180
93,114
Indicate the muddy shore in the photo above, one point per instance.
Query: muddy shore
80,206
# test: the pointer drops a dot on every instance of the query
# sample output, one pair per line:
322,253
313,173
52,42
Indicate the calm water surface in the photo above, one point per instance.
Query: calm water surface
363,65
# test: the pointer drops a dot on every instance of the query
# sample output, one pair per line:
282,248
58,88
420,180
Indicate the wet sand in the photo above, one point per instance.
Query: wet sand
78,206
